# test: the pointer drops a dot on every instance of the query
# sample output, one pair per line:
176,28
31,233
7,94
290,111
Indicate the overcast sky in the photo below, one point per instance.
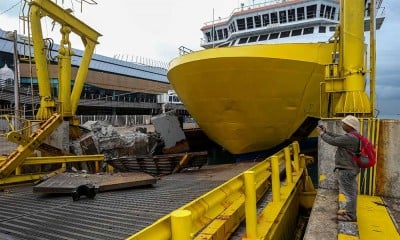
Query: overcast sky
155,29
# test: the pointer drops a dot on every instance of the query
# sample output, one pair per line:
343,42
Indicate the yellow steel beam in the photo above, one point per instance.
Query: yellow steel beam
47,103
51,9
16,158
63,159
81,75
21,178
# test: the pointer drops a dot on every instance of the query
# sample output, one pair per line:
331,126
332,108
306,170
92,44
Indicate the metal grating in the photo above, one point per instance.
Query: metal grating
111,215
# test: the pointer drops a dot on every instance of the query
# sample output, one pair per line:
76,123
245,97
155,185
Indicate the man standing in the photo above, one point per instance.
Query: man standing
347,144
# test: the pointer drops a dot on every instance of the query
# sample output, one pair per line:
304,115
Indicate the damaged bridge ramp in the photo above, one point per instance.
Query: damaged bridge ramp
110,215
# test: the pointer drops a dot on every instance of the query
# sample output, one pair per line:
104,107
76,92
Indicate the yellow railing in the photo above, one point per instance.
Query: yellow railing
369,127
219,212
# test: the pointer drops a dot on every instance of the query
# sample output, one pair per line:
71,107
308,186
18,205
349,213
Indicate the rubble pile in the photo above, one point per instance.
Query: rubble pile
114,142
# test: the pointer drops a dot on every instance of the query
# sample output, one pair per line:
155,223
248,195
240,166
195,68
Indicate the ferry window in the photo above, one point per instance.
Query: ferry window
282,17
225,32
233,27
322,10
309,30
241,24
257,20
291,15
296,32
300,13
265,19
333,13
367,10
215,35
274,18
242,40
332,29
233,42
311,11
322,29
253,39
285,34
274,36
208,35
328,12
220,34
250,24
263,37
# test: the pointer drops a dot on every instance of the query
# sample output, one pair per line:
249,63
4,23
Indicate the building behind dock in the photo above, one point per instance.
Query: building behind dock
113,87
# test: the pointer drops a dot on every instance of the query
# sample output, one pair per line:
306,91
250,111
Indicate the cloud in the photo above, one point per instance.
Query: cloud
155,29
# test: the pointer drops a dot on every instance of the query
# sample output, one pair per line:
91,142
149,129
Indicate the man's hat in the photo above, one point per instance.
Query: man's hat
352,121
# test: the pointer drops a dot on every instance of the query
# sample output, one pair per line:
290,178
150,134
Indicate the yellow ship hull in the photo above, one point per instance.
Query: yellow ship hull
251,98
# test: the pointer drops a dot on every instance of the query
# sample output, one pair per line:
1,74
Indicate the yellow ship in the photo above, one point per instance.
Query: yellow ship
251,98
251,89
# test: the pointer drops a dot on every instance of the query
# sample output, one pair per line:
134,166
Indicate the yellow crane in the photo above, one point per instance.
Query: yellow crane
51,112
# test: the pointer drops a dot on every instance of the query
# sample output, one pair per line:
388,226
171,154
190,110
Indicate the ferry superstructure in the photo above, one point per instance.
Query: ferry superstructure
280,21
258,82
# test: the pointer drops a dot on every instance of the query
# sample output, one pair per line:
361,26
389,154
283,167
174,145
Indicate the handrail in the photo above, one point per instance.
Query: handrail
221,210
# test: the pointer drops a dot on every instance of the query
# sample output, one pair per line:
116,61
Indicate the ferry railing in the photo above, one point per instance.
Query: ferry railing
184,50
220,211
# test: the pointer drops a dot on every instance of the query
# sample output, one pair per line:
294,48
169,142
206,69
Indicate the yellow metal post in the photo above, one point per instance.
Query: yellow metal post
181,225
372,56
354,98
276,191
250,205
46,101
82,74
288,164
296,152
64,66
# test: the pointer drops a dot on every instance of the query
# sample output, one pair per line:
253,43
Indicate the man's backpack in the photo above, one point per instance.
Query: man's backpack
366,155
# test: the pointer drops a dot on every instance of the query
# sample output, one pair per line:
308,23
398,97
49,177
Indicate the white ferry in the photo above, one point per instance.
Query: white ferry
280,21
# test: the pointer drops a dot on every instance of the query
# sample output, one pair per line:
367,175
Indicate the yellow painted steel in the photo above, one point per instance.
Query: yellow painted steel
82,74
267,89
64,73
372,55
374,221
367,177
276,185
250,205
216,214
47,104
17,179
16,158
181,225
63,159
39,9
354,99
288,166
